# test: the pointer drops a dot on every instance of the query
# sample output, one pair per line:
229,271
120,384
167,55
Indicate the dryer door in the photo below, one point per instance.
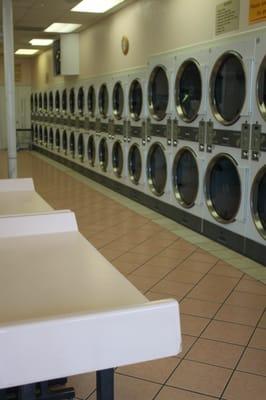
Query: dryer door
103,154
91,101
261,88
134,163
51,138
258,201
81,147
72,144
117,159
57,100
103,101
65,142
157,169
118,100
158,93
81,100
135,100
91,151
57,139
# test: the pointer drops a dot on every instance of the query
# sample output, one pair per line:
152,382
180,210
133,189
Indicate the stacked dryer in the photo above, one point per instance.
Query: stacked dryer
91,144
136,132
256,200
190,93
159,129
228,132
80,125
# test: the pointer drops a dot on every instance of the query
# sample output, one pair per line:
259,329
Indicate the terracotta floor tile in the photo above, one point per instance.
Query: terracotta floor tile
169,393
179,254
251,287
148,269
228,332
245,386
142,283
160,261
182,244
134,389
211,289
253,361
258,340
224,269
203,256
83,384
196,266
262,323
248,300
202,378
134,258
193,326
156,371
238,315
187,342
199,308
181,275
215,353
176,289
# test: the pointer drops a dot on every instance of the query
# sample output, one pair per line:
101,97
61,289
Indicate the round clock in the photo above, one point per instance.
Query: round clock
125,45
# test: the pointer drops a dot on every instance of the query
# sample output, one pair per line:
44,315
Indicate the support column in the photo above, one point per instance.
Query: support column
8,37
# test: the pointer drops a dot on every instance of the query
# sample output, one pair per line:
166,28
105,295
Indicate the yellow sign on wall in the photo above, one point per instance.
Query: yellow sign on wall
257,11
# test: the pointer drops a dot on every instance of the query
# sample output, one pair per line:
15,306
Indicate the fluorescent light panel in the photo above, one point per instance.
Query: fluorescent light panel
96,6
41,42
58,27
26,52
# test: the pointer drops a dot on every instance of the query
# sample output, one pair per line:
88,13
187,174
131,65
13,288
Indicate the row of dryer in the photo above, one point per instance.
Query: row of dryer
186,136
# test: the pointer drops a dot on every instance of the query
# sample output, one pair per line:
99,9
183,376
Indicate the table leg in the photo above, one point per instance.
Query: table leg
27,392
3,395
105,384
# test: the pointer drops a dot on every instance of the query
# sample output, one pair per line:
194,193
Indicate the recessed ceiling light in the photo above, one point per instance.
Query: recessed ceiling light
41,42
99,6
59,27
26,52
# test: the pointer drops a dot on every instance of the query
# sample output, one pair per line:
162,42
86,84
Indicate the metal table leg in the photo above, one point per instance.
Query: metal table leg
3,394
105,384
27,392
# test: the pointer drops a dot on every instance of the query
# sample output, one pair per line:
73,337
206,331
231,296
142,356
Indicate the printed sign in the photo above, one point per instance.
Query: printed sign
257,11
227,17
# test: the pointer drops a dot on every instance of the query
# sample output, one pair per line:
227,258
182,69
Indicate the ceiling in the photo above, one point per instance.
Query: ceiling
31,17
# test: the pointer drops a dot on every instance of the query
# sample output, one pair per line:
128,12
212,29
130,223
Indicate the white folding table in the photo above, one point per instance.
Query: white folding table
18,196
65,310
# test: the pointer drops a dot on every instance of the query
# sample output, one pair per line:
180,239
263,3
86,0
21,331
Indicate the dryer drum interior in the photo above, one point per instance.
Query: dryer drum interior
57,100
158,92
45,136
91,101
81,147
258,201
40,101
72,101
51,137
223,188
65,142
36,134
45,102
57,139
40,134
103,154
51,101
135,100
261,88
228,88
134,163
118,100
64,100
72,144
188,90
81,100
186,177
103,101
36,102
117,158
91,151
31,102
157,169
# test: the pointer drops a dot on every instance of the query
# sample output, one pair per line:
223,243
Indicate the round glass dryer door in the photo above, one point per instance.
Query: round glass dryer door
135,100
81,100
72,101
51,138
35,102
118,100
258,201
57,139
117,159
188,88
31,103
36,134
158,93
134,163
51,101
157,169
65,142
45,136
91,101
103,101
72,144
45,101
81,147
91,151
186,177
103,154
40,101
228,88
40,135
261,89
64,100
223,188
57,100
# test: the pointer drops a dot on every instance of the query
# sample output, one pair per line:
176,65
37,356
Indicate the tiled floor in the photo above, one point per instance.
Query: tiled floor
222,307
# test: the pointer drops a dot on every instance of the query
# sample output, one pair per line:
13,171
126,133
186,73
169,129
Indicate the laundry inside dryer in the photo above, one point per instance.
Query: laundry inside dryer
72,144
81,100
135,100
91,101
103,101
134,163
103,154
118,100
45,102
51,138
72,101
81,147
51,101
91,151
64,100
57,140
158,93
65,142
157,169
57,100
